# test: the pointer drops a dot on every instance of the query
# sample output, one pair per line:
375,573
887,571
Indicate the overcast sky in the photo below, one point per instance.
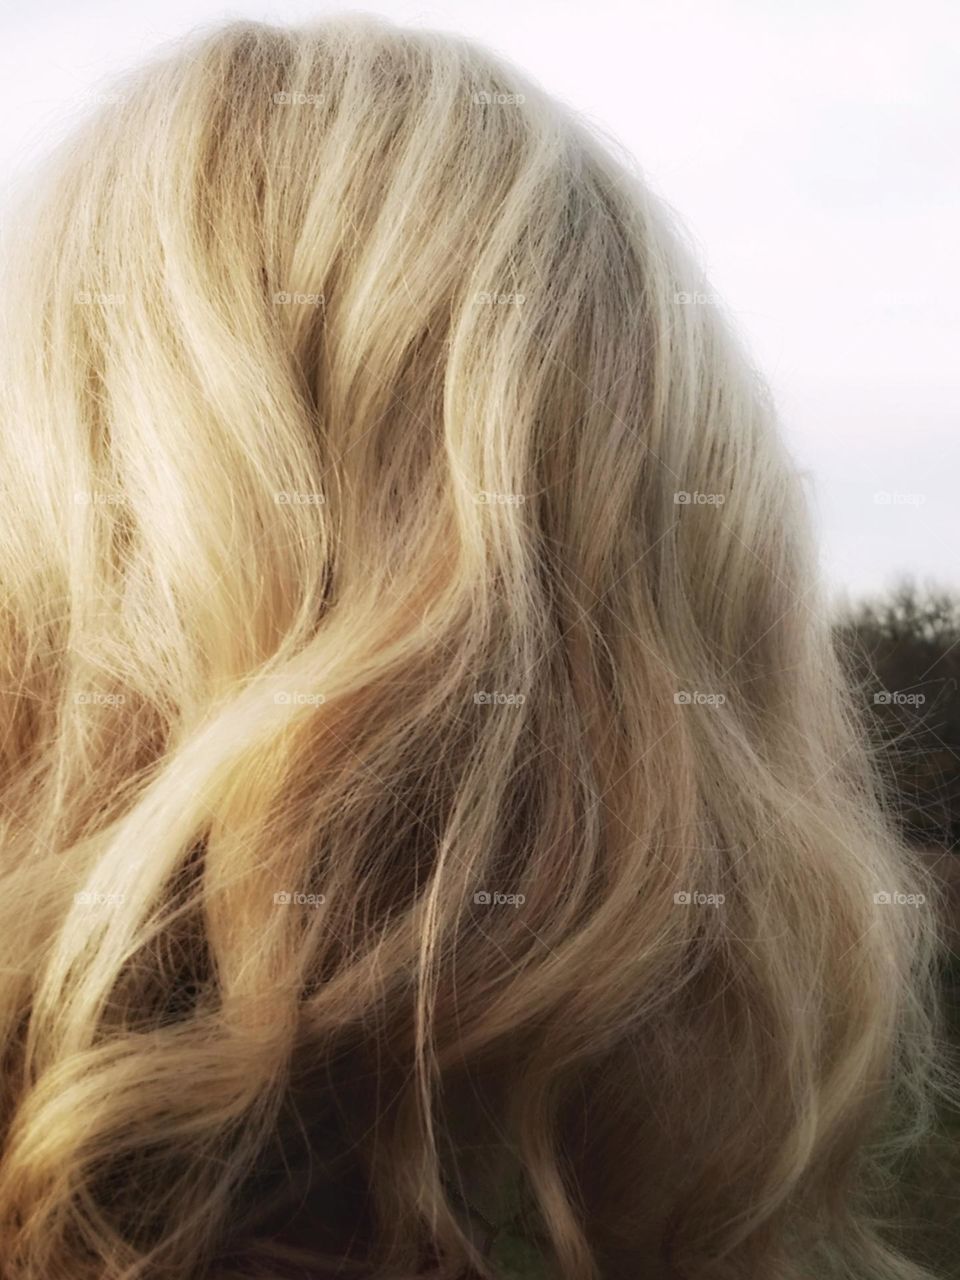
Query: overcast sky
811,149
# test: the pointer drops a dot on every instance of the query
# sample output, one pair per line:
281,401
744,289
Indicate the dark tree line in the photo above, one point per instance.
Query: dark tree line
902,653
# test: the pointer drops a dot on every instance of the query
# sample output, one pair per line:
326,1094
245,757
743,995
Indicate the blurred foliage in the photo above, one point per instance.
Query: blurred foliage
902,653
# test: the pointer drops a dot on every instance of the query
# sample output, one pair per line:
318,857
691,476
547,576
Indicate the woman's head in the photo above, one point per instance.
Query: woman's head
424,767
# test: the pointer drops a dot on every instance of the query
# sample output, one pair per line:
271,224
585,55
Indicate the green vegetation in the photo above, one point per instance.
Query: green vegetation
903,657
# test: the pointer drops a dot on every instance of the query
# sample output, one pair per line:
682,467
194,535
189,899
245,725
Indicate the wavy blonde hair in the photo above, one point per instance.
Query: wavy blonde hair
424,765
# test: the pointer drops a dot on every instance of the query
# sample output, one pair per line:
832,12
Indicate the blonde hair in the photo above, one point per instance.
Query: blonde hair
424,761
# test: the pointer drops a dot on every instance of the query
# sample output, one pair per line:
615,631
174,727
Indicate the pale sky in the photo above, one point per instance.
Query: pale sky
810,148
